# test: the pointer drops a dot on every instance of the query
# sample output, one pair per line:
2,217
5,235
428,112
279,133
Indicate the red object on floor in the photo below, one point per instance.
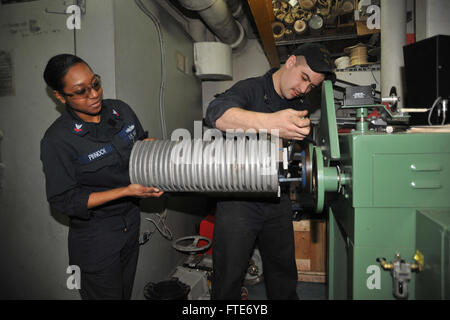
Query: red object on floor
207,230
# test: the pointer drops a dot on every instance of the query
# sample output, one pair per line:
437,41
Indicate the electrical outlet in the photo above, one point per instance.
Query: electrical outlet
181,63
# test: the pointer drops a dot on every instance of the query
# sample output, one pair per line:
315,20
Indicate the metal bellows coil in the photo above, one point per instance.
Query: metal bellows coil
221,165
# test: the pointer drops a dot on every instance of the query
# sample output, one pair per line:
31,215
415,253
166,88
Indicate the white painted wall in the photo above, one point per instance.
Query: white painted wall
249,62
33,242
432,18
118,42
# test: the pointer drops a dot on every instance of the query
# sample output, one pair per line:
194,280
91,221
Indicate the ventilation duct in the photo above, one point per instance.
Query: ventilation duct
217,16
393,38
220,165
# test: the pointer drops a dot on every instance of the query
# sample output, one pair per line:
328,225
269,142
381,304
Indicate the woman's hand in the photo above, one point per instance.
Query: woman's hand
140,191
132,190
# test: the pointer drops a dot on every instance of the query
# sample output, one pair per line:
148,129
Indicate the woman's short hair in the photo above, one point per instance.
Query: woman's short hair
57,67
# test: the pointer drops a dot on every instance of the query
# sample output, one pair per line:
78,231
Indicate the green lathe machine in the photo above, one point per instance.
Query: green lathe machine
387,198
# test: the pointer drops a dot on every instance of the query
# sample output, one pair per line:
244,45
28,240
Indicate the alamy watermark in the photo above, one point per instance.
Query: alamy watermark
374,279
74,19
74,280
238,148
374,20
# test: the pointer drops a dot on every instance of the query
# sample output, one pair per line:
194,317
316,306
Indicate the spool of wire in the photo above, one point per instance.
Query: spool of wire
278,29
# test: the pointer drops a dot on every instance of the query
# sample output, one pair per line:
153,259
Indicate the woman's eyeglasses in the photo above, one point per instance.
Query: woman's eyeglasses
84,93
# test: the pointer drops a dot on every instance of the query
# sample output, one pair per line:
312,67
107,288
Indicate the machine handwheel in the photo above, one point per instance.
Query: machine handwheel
307,167
318,181
189,244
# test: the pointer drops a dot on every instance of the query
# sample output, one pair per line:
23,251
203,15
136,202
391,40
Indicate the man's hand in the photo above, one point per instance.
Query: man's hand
292,124
149,139
139,191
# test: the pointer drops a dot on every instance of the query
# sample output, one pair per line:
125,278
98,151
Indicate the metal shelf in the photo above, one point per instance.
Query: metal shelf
372,67
317,39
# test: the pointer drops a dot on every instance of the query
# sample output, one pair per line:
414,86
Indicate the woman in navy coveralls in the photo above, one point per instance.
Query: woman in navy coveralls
85,155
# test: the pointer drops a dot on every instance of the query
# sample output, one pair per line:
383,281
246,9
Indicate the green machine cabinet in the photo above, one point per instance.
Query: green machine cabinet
387,197
433,240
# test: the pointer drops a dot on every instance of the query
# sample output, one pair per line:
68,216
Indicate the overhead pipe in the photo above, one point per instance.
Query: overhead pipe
393,38
236,9
197,29
217,16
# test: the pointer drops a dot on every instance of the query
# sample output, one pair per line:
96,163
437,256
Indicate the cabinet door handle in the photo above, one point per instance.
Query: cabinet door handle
426,184
426,167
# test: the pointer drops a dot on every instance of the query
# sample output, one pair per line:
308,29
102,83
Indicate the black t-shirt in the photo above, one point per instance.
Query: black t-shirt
253,94
80,158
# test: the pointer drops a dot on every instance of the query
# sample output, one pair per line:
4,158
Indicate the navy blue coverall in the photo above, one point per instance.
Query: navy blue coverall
80,158
242,222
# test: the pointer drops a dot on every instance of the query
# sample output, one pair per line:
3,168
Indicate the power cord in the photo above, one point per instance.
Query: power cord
157,24
160,224
444,103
